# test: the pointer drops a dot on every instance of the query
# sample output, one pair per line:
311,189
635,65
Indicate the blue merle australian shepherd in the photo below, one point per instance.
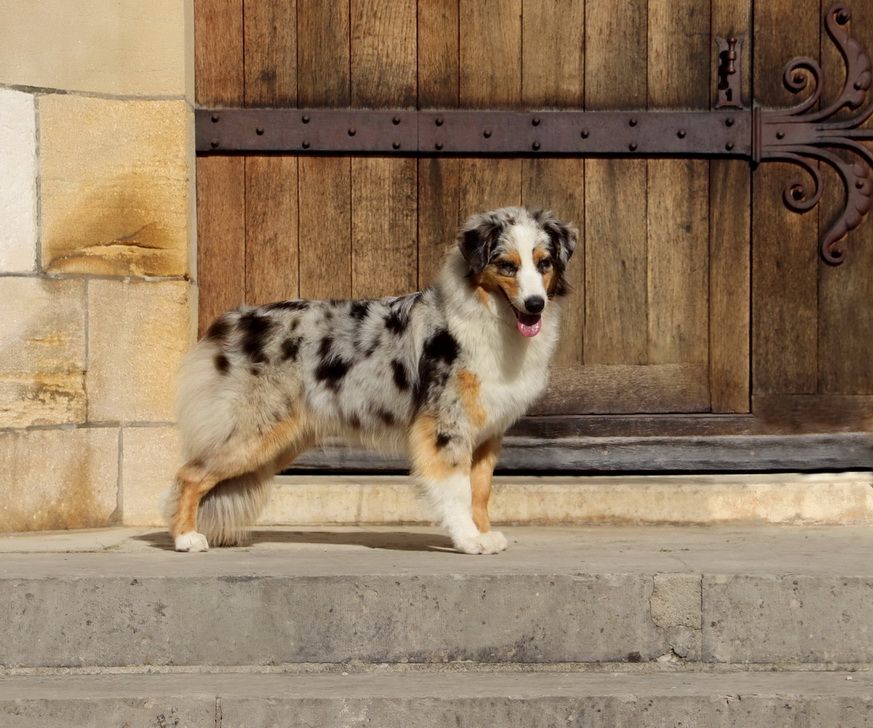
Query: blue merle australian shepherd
440,375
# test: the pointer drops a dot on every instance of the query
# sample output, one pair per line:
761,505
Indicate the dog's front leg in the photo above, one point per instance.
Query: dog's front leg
443,467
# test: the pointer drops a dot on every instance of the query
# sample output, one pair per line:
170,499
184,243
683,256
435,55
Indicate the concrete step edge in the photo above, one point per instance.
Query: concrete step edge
532,700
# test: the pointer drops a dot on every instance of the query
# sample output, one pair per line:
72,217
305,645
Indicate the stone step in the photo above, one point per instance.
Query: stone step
778,498
725,595
437,700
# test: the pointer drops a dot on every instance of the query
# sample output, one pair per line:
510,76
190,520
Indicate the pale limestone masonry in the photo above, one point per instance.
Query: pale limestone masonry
97,293
42,351
58,478
127,379
17,181
114,186
118,47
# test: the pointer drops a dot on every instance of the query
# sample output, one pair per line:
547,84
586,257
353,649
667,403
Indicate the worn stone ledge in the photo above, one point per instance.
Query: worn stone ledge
427,700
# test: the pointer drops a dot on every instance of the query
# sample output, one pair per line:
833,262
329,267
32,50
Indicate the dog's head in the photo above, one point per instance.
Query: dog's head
520,255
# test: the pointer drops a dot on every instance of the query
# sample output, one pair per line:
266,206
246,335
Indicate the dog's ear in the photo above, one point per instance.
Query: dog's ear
562,236
477,239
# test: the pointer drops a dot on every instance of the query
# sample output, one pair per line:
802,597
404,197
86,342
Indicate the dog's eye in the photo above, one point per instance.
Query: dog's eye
507,269
544,265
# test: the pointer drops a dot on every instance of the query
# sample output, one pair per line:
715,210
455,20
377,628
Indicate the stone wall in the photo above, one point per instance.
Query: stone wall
97,250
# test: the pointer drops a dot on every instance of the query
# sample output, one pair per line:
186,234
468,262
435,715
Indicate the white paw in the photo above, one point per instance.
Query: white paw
482,543
191,541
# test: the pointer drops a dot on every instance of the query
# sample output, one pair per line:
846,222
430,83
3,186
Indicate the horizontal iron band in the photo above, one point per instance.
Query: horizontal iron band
445,132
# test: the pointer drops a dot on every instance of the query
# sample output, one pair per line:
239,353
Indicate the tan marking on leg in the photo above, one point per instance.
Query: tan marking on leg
197,478
428,460
481,472
468,390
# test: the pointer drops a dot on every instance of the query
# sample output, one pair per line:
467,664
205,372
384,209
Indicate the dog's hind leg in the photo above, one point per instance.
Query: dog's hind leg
236,466
443,468
481,473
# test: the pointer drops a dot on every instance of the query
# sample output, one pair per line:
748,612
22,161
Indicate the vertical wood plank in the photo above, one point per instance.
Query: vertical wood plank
557,79
220,236
615,190
678,190
438,179
271,182
271,228
784,262
490,77
324,183
218,76
845,313
270,52
384,195
729,242
220,180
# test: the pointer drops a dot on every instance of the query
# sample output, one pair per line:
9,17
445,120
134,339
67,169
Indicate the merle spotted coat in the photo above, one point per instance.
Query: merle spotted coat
439,374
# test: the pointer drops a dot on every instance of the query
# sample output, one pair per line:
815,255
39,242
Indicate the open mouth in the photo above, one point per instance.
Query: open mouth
528,324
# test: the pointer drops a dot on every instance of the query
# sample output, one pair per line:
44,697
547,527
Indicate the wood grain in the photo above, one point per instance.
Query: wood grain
324,183
678,190
270,52
220,236
784,260
218,76
271,181
438,179
845,313
220,180
620,388
384,189
730,240
616,324
551,79
490,77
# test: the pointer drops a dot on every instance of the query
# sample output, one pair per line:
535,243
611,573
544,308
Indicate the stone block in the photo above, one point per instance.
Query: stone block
151,456
42,356
138,332
114,185
18,181
99,46
58,478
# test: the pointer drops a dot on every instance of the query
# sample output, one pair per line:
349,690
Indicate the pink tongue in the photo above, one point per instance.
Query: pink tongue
528,324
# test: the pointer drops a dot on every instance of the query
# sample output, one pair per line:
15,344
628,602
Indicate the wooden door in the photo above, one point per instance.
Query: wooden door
668,320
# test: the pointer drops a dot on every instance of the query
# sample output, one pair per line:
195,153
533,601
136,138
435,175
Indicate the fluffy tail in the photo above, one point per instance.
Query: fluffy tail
228,509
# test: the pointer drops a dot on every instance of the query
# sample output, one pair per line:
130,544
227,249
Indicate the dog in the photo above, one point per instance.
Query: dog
439,374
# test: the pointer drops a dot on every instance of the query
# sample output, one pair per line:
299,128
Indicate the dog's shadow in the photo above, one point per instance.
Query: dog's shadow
380,540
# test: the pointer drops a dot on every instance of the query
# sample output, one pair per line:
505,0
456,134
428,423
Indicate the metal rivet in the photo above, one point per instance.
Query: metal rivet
535,121
305,119
259,131
729,146
352,132
305,145
214,143
729,121
438,146
780,134
584,134
438,121
632,146
632,122
395,120
535,146
681,133
487,133
395,145
215,118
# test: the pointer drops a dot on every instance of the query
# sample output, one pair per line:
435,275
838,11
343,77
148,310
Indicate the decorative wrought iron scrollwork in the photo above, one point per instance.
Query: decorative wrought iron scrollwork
803,136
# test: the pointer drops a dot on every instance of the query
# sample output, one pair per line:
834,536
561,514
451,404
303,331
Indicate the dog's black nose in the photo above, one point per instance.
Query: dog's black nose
534,304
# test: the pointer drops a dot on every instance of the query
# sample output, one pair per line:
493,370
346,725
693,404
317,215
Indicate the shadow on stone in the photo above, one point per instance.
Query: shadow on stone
387,540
